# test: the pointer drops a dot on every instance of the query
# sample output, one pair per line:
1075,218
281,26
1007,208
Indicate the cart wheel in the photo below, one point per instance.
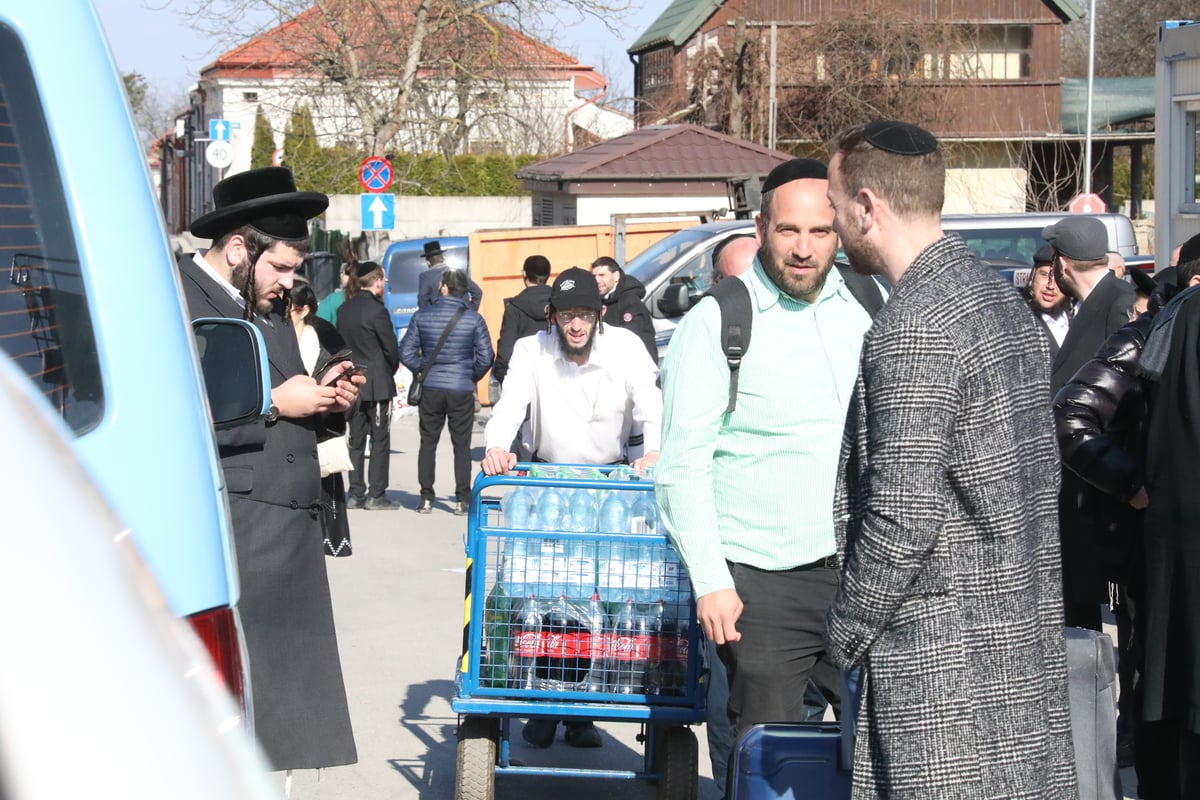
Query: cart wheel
678,760
475,776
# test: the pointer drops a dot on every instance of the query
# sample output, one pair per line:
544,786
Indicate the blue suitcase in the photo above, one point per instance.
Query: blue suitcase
796,760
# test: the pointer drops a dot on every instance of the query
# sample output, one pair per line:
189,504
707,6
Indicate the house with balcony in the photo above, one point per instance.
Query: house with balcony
984,75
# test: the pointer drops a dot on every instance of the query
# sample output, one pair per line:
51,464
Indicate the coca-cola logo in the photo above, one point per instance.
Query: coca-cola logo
630,648
528,644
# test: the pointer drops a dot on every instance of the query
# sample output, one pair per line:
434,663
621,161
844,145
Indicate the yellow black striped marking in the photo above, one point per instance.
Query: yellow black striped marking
466,642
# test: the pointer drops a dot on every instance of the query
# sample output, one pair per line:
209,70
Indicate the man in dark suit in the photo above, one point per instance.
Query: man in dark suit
429,282
259,230
364,323
1103,302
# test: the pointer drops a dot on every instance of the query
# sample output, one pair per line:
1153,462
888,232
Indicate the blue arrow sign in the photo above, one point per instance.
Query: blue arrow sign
218,130
378,211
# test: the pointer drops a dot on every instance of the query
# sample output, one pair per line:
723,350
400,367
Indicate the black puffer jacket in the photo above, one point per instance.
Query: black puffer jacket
524,315
1101,413
624,308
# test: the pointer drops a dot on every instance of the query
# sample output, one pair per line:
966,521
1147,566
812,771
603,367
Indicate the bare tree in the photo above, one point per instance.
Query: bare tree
1125,36
151,113
377,69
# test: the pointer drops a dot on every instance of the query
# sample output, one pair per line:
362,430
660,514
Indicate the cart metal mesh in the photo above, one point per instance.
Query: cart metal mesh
582,597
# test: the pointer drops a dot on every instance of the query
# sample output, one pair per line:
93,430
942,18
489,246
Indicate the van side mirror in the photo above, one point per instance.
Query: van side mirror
675,300
233,359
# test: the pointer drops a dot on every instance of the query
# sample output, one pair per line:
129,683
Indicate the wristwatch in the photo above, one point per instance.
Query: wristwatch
273,413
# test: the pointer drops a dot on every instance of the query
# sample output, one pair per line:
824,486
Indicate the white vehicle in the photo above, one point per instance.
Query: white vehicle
103,689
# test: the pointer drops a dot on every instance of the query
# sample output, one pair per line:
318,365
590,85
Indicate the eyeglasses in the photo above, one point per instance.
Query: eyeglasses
564,317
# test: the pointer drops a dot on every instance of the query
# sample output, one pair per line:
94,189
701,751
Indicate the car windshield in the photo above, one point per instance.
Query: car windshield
1003,247
654,259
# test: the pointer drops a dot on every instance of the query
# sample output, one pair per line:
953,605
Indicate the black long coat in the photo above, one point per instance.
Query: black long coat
299,699
1085,512
364,324
1171,678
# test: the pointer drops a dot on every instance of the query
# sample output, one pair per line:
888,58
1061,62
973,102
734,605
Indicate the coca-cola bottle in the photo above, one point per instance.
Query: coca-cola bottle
597,646
526,646
656,678
629,650
555,664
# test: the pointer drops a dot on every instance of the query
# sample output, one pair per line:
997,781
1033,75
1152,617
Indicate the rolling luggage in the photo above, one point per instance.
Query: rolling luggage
1092,689
792,760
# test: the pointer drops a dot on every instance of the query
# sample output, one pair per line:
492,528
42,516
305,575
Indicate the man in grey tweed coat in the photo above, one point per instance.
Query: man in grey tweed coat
950,595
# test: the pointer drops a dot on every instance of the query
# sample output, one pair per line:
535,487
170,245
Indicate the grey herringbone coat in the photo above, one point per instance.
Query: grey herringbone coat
950,594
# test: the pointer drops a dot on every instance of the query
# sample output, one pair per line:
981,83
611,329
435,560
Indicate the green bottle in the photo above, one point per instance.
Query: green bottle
494,660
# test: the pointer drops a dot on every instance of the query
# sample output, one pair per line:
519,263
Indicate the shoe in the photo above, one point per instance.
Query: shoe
582,734
379,504
356,502
425,507
539,733
460,509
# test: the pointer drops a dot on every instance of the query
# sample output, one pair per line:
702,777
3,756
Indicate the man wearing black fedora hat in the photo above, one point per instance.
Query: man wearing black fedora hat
429,283
259,229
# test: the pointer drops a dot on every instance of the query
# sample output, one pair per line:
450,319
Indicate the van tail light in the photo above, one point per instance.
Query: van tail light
218,630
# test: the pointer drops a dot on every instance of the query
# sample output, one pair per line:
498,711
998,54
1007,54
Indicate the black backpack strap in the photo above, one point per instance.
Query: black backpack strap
864,288
733,298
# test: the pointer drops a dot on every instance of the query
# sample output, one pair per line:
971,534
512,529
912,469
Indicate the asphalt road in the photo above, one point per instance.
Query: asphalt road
398,602
398,605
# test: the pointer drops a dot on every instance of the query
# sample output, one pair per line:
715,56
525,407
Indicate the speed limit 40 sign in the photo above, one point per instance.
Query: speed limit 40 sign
219,154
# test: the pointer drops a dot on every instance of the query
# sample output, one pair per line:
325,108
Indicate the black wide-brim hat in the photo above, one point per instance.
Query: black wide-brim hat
265,199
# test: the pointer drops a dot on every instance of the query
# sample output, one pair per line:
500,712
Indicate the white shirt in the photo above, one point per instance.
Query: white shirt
198,257
1058,325
579,414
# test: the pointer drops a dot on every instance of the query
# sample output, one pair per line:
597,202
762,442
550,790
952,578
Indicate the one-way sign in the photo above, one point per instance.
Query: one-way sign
378,211
218,130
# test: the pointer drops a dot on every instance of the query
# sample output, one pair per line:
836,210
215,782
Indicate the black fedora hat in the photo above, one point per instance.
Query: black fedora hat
265,199
432,249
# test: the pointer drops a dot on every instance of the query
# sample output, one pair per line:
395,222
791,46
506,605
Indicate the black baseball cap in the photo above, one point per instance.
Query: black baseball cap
575,288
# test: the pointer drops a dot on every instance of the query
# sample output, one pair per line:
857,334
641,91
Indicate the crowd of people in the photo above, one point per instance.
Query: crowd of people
918,494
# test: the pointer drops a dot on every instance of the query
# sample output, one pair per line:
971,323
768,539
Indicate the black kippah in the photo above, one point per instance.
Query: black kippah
795,170
364,268
899,138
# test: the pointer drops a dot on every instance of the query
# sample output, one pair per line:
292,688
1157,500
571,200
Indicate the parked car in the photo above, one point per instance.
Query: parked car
1006,241
403,263
102,688
93,317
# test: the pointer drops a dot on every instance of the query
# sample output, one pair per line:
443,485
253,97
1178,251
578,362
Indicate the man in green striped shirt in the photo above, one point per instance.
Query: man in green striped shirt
747,496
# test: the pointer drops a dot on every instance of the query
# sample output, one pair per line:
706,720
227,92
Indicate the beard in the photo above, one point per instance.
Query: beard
801,287
243,281
584,350
863,256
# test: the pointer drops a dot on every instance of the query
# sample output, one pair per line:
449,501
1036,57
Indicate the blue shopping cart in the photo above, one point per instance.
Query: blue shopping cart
577,607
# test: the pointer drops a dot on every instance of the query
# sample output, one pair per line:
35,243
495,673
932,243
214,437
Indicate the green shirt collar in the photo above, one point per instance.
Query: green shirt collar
766,294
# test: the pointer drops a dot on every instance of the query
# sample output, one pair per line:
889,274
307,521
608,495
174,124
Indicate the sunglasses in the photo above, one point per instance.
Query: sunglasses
564,317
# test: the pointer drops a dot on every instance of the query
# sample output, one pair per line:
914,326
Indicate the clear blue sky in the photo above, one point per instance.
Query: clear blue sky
150,37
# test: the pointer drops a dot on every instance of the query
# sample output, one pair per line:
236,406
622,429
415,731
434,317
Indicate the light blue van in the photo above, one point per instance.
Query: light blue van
93,314
403,263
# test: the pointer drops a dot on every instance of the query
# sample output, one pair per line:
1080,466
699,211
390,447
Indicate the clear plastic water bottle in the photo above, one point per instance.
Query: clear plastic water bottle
551,568
648,572
610,570
514,573
552,510
581,569
581,516
598,646
643,513
614,514
518,507
526,647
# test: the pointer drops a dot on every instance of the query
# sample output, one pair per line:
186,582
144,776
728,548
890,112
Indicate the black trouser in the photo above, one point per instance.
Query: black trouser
782,645
439,408
373,417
